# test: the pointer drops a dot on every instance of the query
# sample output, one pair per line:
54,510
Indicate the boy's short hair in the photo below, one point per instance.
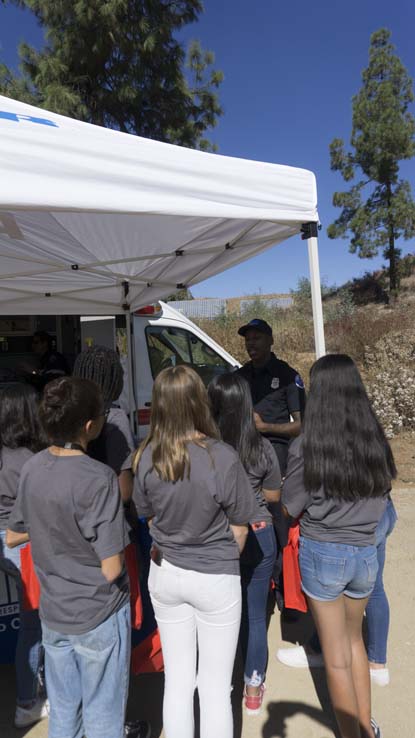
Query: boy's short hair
67,404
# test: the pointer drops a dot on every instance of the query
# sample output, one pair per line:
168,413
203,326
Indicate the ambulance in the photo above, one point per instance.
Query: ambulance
161,337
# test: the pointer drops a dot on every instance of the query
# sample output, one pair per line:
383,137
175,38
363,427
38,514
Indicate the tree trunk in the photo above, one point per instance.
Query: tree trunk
392,255
393,267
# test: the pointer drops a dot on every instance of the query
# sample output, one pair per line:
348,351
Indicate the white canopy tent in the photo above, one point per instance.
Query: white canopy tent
93,221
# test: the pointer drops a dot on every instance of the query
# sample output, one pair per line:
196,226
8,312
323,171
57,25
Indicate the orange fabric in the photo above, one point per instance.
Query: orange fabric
294,598
30,582
131,563
147,657
31,587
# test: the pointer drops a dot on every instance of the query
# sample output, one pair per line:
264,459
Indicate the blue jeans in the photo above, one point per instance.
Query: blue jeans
87,679
255,588
377,610
331,569
29,655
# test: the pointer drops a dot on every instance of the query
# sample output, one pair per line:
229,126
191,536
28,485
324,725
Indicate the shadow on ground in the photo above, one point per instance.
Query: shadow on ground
8,700
146,694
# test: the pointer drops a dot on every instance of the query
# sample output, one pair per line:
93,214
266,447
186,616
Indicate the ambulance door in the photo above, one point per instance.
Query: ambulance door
166,340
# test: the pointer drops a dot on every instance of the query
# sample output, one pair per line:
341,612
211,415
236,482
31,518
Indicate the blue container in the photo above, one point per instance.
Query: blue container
9,618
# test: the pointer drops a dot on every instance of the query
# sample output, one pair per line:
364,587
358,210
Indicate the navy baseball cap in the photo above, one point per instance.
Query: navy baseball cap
256,325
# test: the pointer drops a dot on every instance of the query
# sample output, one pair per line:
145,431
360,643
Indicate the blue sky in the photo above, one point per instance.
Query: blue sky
290,70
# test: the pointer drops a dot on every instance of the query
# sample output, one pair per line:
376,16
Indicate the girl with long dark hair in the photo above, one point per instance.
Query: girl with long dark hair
339,476
20,437
194,490
231,403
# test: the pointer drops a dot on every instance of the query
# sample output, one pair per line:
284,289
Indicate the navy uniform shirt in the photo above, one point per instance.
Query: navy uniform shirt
277,392
53,365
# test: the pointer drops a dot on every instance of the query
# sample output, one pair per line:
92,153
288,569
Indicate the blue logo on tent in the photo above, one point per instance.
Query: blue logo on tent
18,117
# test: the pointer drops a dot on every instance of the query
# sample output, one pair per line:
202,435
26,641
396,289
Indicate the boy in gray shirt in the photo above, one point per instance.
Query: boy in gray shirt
69,506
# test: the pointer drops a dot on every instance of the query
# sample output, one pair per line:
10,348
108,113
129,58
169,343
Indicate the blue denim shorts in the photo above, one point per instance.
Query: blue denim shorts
331,569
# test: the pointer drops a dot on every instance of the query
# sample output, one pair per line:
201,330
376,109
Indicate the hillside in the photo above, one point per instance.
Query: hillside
359,321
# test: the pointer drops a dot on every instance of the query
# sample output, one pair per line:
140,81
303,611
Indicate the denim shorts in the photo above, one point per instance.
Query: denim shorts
331,569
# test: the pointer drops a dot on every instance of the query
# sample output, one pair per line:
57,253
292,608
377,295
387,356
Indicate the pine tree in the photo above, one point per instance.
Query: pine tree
383,134
118,63
182,294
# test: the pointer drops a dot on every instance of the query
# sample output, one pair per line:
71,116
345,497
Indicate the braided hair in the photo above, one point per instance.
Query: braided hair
102,365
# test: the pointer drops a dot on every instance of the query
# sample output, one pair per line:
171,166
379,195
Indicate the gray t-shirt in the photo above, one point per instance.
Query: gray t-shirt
11,462
71,508
115,445
191,517
328,519
264,475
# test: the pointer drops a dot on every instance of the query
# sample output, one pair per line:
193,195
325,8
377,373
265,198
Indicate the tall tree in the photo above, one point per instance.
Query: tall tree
182,294
119,63
383,134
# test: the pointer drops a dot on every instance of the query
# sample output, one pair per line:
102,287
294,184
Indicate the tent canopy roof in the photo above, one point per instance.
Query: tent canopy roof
93,220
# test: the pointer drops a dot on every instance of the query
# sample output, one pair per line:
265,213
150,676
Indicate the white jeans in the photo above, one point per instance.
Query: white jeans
197,614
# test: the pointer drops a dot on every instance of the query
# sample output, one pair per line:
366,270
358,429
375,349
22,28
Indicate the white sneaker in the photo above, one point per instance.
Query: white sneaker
376,729
299,658
380,677
25,716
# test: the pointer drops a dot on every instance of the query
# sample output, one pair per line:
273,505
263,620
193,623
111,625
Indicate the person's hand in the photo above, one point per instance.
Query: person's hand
25,367
259,423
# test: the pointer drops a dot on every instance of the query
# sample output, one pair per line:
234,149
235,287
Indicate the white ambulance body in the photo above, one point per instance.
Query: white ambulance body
162,337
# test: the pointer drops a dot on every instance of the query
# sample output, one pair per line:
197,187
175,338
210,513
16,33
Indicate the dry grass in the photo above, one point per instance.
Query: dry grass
380,339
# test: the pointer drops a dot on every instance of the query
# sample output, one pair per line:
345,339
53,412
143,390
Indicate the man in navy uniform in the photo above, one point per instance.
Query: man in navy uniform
277,389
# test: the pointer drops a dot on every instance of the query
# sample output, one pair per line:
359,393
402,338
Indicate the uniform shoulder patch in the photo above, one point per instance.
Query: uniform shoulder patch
299,382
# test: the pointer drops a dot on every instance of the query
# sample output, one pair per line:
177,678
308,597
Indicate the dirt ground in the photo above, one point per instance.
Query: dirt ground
403,447
296,703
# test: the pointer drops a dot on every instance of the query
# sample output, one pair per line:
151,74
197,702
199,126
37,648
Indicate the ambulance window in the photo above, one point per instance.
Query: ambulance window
170,346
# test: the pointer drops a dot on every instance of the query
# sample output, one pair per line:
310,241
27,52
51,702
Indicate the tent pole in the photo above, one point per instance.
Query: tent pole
131,399
309,231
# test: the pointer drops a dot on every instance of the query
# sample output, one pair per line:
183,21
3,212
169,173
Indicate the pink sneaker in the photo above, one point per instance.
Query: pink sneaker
253,702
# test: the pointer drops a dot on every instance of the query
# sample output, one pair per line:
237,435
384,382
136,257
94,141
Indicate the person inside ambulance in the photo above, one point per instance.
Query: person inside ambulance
52,364
277,389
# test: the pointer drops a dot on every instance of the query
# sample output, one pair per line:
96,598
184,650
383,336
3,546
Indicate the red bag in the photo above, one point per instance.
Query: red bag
294,597
147,657
131,563
30,582
31,587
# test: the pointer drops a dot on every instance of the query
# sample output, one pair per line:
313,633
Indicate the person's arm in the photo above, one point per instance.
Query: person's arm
112,567
238,501
271,495
140,498
271,482
240,533
291,429
295,497
100,518
17,528
126,483
14,539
